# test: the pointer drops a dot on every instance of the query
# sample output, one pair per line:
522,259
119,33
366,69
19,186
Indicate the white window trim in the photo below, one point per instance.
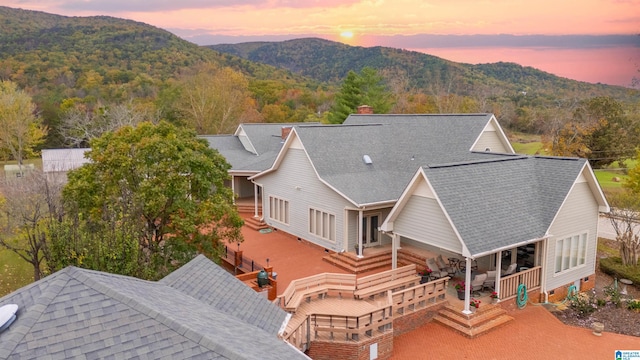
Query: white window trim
325,223
281,207
571,252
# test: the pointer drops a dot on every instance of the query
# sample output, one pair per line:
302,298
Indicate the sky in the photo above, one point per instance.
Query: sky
587,40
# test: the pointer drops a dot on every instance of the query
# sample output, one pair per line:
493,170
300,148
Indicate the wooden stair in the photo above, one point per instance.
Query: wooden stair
255,223
350,262
485,319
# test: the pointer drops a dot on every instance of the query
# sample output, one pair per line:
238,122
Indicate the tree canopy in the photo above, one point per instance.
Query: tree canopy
157,187
366,88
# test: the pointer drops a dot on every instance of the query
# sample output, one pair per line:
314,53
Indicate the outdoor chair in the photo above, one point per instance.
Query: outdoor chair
463,265
490,282
436,273
443,266
510,270
477,283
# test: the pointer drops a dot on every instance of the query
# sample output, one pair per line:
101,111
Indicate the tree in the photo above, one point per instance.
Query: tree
366,88
216,100
161,186
20,129
625,207
80,122
30,205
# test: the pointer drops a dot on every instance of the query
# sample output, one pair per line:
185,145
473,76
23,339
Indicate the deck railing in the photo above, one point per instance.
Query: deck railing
419,296
341,327
531,278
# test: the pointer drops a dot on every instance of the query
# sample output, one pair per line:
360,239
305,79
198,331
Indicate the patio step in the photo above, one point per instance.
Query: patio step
246,208
350,262
255,223
482,321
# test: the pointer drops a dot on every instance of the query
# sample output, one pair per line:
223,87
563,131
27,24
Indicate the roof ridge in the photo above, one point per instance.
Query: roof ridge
140,307
508,157
19,329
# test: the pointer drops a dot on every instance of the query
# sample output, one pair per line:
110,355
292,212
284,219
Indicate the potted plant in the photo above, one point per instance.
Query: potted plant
474,304
460,289
425,274
494,297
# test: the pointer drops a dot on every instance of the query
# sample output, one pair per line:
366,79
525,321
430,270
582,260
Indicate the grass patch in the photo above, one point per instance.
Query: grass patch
14,272
613,266
606,179
529,148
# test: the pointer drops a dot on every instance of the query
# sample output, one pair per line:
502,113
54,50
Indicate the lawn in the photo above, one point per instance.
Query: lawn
14,272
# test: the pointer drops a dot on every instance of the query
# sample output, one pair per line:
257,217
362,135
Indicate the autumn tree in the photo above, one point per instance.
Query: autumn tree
366,88
81,122
29,206
625,207
165,185
216,100
20,129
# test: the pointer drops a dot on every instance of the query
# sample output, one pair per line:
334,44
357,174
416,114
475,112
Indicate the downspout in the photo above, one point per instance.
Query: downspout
233,188
394,251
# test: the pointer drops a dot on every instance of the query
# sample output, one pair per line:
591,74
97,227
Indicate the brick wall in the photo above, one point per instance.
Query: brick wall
325,350
412,321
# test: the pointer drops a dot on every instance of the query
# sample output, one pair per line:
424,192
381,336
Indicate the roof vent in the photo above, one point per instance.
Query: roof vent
367,159
7,315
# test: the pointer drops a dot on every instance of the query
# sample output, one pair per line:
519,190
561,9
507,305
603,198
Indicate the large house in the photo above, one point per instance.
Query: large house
450,184
199,311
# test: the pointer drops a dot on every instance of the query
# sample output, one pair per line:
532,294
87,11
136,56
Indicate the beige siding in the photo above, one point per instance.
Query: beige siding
578,215
489,139
422,220
296,182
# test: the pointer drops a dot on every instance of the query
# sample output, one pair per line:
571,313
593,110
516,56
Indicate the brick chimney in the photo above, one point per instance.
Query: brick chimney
365,109
285,132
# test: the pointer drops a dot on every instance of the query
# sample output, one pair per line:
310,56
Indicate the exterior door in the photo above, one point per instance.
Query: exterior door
370,233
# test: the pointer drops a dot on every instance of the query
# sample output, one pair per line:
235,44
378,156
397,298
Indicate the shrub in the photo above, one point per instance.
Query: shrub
612,293
583,304
613,266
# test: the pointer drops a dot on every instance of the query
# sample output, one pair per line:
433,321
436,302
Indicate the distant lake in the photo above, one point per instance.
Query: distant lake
613,66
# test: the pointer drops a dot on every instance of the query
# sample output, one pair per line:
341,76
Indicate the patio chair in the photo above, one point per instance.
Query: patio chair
510,270
463,265
490,282
478,282
443,266
436,273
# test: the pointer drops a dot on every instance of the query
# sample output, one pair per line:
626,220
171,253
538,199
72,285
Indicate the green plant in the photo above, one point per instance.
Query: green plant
584,304
425,272
494,295
613,293
601,302
460,286
633,305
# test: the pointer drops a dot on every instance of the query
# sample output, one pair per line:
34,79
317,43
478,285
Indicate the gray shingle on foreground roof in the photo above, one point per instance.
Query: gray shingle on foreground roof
397,149
78,313
495,204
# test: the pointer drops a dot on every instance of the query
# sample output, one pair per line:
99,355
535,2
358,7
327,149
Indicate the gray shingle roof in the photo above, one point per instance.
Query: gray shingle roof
495,204
397,145
266,138
77,313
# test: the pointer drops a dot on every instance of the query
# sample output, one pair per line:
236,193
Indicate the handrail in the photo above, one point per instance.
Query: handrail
531,278
419,296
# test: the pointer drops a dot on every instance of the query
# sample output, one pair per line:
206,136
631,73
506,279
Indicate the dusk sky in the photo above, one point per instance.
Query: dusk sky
408,24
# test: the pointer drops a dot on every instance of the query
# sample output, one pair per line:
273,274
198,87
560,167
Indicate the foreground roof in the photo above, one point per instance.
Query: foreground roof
200,311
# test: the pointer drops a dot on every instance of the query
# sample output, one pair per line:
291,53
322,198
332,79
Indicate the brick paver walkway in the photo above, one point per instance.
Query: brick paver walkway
535,333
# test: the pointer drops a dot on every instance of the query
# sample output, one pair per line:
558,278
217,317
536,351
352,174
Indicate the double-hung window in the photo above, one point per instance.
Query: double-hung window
279,210
571,252
322,224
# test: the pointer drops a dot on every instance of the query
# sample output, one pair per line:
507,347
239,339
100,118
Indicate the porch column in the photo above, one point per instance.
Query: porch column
395,242
467,286
233,188
498,271
360,232
255,200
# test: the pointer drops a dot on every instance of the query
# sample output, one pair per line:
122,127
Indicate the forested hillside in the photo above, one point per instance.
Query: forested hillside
330,61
